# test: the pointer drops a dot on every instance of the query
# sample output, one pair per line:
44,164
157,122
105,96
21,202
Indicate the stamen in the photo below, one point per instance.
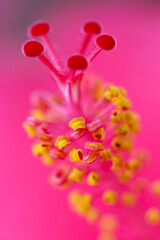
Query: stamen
91,156
99,134
90,28
94,146
93,178
128,199
152,216
76,175
44,134
94,126
62,141
77,123
76,155
110,197
105,155
59,177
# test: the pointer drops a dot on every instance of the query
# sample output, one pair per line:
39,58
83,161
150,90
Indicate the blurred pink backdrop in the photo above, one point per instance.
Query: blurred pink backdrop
30,208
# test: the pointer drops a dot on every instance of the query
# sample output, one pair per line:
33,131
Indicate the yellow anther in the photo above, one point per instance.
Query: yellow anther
121,102
62,141
99,89
129,117
42,150
134,164
46,159
92,215
116,161
135,127
152,216
116,116
122,130
77,123
105,155
128,199
85,203
117,143
80,203
99,134
127,144
39,114
125,176
76,155
93,178
122,92
30,130
94,145
93,156
108,223
112,93
107,236
110,197
74,197
155,188
76,175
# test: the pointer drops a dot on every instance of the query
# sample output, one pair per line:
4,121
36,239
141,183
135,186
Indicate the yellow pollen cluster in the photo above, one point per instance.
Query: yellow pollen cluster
110,197
76,155
134,164
152,216
112,93
122,130
95,145
62,141
43,152
121,144
121,102
93,178
105,155
116,161
125,176
77,123
107,236
116,116
108,223
38,113
155,188
81,204
76,175
30,130
99,134
128,199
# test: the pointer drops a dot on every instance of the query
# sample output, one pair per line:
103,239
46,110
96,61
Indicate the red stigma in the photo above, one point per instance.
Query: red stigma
77,62
92,28
106,42
32,48
39,29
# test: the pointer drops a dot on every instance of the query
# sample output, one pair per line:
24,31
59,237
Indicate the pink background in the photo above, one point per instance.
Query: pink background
29,207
